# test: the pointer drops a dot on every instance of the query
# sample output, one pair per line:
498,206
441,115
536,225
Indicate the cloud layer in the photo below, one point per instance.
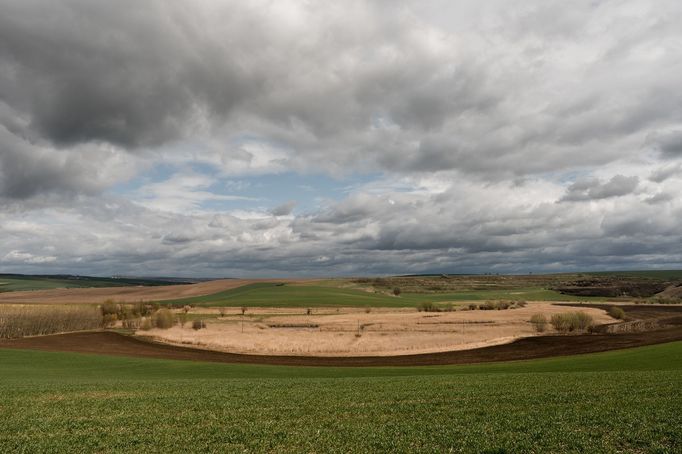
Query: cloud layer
487,136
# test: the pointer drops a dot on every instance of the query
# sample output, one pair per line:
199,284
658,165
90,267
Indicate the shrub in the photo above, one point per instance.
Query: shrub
182,319
488,306
583,321
448,307
163,318
146,324
368,310
521,303
396,291
109,320
222,311
131,323
616,312
571,321
198,324
110,308
473,306
539,322
243,310
427,306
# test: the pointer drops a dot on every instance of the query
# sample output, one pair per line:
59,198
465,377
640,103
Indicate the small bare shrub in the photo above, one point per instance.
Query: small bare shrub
223,311
616,312
368,310
396,291
473,306
539,322
243,310
110,308
109,320
488,306
131,323
427,306
182,319
198,324
163,319
146,324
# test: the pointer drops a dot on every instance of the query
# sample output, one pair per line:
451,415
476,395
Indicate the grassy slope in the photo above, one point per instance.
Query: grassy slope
618,401
273,295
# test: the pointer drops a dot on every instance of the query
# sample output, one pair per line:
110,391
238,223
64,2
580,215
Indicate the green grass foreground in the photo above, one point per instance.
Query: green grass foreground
272,294
621,401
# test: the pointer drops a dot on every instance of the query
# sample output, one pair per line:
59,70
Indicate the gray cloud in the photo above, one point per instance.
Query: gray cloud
284,209
593,189
482,109
668,143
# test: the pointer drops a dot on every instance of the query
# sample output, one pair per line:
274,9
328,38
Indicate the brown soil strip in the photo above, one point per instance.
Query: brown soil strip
110,343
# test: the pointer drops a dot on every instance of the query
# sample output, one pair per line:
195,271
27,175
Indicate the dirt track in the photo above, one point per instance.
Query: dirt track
110,343
120,294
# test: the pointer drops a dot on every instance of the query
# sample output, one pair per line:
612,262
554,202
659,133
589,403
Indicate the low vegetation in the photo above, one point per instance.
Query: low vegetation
428,306
539,322
616,312
31,320
571,322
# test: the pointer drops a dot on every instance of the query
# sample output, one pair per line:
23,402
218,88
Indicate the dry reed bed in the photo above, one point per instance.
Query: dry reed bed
30,320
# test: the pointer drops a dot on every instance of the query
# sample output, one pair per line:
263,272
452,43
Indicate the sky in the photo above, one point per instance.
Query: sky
326,138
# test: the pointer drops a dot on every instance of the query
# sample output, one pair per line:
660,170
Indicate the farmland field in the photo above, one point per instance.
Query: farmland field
14,283
621,401
273,294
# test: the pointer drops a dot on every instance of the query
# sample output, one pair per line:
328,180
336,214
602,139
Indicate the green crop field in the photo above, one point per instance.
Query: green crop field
622,401
278,295
648,274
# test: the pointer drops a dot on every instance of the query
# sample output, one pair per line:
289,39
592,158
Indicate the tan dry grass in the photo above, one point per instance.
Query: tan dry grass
381,332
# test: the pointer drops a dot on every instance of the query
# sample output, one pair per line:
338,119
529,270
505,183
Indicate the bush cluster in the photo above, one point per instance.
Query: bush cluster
500,305
539,322
429,306
571,321
616,312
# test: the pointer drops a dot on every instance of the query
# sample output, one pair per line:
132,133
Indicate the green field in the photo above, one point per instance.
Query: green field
272,294
623,401
648,274
14,283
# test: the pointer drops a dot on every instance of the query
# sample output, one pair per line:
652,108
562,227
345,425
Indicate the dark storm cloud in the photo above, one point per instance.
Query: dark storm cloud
129,73
26,170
